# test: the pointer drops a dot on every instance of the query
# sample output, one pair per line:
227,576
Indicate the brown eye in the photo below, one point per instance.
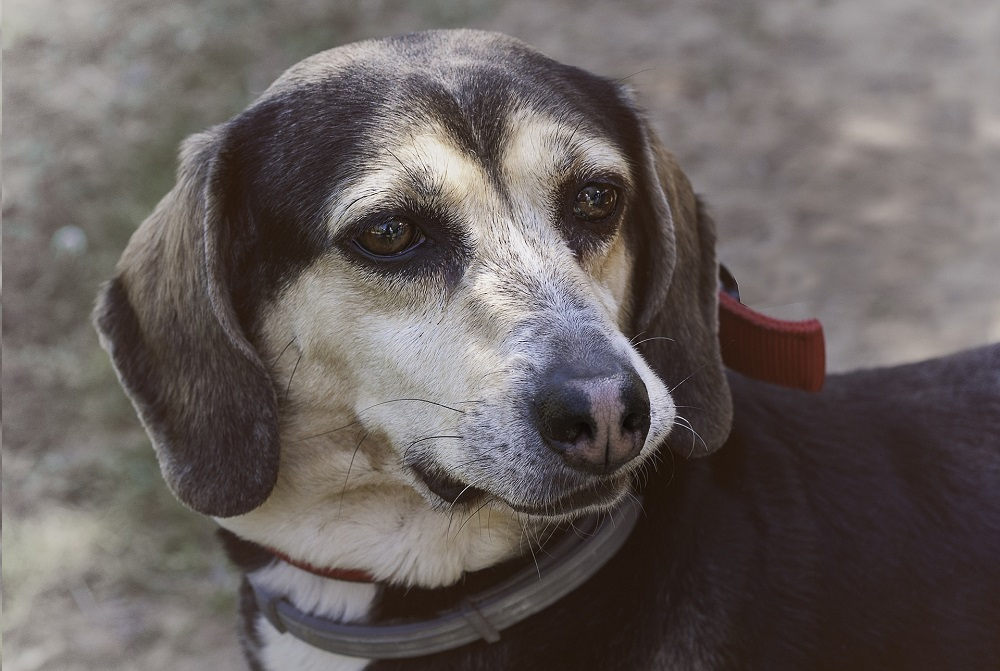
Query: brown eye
595,202
389,237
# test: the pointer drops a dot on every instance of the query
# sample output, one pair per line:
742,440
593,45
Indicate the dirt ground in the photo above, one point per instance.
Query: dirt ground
850,151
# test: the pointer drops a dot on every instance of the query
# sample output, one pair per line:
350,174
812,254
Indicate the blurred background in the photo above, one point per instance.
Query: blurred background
850,152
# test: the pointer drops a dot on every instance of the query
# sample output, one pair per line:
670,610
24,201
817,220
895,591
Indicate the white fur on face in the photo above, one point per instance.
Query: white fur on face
385,373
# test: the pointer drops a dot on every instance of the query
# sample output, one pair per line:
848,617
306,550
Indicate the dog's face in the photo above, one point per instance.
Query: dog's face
417,270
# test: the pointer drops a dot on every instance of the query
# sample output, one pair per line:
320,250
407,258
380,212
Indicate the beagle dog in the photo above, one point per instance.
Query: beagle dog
436,311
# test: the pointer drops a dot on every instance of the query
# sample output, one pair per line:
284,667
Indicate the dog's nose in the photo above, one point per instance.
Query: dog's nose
597,424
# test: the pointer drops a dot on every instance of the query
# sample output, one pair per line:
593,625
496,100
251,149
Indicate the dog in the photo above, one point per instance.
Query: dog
431,330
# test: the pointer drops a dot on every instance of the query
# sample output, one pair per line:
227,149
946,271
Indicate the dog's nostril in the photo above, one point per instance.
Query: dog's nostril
564,418
636,421
570,432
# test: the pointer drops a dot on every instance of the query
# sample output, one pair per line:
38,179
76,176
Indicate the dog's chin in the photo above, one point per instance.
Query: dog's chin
600,494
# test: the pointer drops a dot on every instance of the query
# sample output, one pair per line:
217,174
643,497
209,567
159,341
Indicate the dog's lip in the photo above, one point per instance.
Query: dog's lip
602,493
449,489
453,491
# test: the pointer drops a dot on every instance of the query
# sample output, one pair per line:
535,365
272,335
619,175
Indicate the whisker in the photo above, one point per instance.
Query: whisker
498,371
324,433
527,538
610,518
539,543
636,501
455,500
634,74
343,492
395,400
645,340
673,468
474,513
418,400
420,440
684,424
555,528
354,202
573,134
407,169
696,371
694,437
280,354
288,387
642,476
579,533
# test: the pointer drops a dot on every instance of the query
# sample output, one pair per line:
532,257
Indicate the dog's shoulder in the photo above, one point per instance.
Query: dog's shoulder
919,443
909,453
945,409
922,435
880,487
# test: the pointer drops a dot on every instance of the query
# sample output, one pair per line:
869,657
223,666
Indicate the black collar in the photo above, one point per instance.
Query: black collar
561,567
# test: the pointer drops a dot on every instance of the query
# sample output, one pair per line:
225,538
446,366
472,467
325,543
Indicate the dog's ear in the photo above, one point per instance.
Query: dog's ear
167,319
676,303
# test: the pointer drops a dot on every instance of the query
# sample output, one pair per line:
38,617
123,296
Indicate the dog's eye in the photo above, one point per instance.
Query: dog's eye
389,237
595,202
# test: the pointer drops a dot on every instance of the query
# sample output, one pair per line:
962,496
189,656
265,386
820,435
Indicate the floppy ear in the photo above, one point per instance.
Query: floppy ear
676,281
167,320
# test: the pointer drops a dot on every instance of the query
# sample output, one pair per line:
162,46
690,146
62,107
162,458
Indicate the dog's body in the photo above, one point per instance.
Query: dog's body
387,321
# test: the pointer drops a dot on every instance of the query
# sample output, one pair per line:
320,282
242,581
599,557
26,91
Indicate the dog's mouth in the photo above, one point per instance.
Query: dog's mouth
599,496
602,493
448,489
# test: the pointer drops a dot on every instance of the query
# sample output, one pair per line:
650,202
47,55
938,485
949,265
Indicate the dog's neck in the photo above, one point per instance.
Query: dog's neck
436,620
324,599
388,533
336,600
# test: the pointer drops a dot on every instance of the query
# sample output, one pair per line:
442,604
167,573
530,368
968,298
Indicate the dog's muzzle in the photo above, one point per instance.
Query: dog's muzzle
566,442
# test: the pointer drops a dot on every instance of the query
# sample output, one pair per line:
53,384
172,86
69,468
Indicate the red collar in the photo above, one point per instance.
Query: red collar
347,575
787,353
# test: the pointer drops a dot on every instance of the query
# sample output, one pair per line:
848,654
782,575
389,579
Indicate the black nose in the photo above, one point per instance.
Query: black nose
598,424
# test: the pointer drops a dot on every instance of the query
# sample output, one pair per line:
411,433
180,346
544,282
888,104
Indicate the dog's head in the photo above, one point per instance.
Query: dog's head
439,262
